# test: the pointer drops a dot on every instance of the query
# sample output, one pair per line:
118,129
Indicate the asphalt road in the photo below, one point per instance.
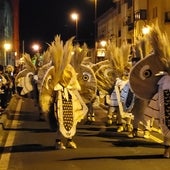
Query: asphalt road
28,144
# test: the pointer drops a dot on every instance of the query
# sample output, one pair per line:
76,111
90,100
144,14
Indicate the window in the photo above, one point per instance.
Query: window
141,14
155,12
167,16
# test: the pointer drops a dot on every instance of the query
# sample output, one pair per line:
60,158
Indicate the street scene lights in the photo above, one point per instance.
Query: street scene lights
7,47
145,30
36,47
75,17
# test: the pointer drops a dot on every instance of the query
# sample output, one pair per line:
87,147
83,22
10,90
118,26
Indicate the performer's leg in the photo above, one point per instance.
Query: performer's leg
167,152
166,134
110,115
58,143
121,123
71,144
129,126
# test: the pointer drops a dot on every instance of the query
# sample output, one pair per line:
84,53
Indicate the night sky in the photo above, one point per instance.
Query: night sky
41,20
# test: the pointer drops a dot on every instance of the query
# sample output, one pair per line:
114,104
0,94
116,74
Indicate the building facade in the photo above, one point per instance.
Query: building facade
9,31
125,20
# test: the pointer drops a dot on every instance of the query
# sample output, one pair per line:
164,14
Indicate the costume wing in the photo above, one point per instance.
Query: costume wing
106,77
88,83
46,91
143,81
22,73
96,66
41,72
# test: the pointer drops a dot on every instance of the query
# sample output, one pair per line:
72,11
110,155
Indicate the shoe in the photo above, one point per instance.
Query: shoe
167,152
120,129
109,122
71,144
133,133
89,118
93,119
159,130
146,134
59,146
129,128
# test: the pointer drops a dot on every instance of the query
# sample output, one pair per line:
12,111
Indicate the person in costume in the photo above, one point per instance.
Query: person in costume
120,65
9,71
140,124
27,81
60,100
4,85
24,79
86,78
149,80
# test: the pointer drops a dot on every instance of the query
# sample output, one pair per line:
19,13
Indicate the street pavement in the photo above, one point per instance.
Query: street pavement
22,115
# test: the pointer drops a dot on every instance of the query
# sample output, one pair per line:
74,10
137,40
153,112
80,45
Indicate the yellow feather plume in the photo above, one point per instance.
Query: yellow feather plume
119,57
28,63
160,44
61,56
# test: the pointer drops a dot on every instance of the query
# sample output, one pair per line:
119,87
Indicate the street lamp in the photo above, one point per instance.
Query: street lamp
95,29
7,47
75,17
145,30
95,17
36,47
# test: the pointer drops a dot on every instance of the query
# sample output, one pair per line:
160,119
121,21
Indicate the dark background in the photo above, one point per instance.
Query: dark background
41,20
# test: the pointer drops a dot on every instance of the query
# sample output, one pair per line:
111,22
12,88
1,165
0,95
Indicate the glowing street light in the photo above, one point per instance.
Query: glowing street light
145,30
75,17
36,47
7,47
103,43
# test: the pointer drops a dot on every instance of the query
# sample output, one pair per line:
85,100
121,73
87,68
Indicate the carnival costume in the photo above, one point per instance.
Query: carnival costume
60,100
24,79
86,78
149,80
110,79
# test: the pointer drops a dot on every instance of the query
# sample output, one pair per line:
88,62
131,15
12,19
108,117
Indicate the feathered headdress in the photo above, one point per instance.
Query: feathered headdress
107,71
160,44
145,74
119,57
28,63
86,76
60,54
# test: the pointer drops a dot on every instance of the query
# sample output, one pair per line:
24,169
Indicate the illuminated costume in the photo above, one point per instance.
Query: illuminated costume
86,78
149,80
27,82
60,100
111,77
24,79
3,89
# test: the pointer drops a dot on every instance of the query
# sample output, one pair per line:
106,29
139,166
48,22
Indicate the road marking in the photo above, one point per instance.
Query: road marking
5,158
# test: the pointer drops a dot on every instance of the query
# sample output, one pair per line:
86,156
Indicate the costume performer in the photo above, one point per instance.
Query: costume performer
149,80
117,72
60,99
86,78
24,79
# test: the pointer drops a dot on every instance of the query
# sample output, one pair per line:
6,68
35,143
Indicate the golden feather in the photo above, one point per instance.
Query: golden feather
119,57
160,44
28,63
86,76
